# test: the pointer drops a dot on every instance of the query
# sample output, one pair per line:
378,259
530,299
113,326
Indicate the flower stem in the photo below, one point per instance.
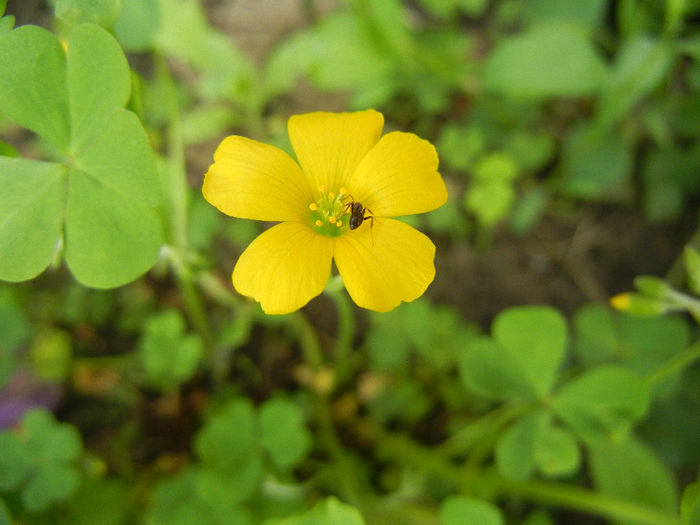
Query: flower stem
676,363
346,328
310,347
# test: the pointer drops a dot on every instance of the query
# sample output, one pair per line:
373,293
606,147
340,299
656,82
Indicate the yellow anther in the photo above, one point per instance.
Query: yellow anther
343,191
339,224
332,219
322,188
319,222
313,206
331,194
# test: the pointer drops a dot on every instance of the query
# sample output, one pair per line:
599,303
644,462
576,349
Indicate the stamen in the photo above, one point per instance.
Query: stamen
319,222
332,219
331,194
313,206
343,191
339,224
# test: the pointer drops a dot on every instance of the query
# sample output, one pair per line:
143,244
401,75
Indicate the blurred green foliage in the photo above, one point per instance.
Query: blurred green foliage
182,404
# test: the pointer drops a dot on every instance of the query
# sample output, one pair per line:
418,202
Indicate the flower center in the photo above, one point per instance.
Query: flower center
328,212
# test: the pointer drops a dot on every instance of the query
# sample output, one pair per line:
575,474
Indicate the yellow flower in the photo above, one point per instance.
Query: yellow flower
342,160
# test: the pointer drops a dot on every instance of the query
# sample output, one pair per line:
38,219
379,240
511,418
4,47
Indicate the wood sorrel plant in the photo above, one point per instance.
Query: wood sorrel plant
422,420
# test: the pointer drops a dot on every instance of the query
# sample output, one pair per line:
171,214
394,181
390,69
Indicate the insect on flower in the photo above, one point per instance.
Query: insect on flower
345,173
357,214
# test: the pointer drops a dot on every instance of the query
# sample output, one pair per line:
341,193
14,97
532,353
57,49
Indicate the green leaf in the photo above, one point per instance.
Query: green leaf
587,15
535,339
329,511
30,56
347,54
601,403
170,356
554,60
458,510
460,145
596,338
50,484
104,501
51,355
528,211
31,216
489,201
515,450
6,24
594,162
98,81
51,441
230,437
649,342
101,12
14,324
690,504
137,24
630,470
284,434
669,176
215,486
5,518
640,66
496,167
185,33
113,233
15,461
530,150
39,460
691,257
175,502
484,367
556,452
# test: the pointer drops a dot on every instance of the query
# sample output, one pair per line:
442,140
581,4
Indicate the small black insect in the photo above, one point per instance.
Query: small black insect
357,214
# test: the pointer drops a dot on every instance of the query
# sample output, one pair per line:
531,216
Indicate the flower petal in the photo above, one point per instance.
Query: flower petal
284,268
252,180
329,146
384,264
399,176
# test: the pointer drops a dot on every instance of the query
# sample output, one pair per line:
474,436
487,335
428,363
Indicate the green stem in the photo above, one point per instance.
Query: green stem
676,363
406,451
346,329
175,183
568,496
194,304
345,470
468,437
310,347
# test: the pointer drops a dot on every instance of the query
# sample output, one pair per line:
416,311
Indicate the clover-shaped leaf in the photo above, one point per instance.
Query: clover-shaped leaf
536,442
329,511
601,403
178,500
284,435
39,460
102,200
456,510
522,357
170,356
230,437
628,469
